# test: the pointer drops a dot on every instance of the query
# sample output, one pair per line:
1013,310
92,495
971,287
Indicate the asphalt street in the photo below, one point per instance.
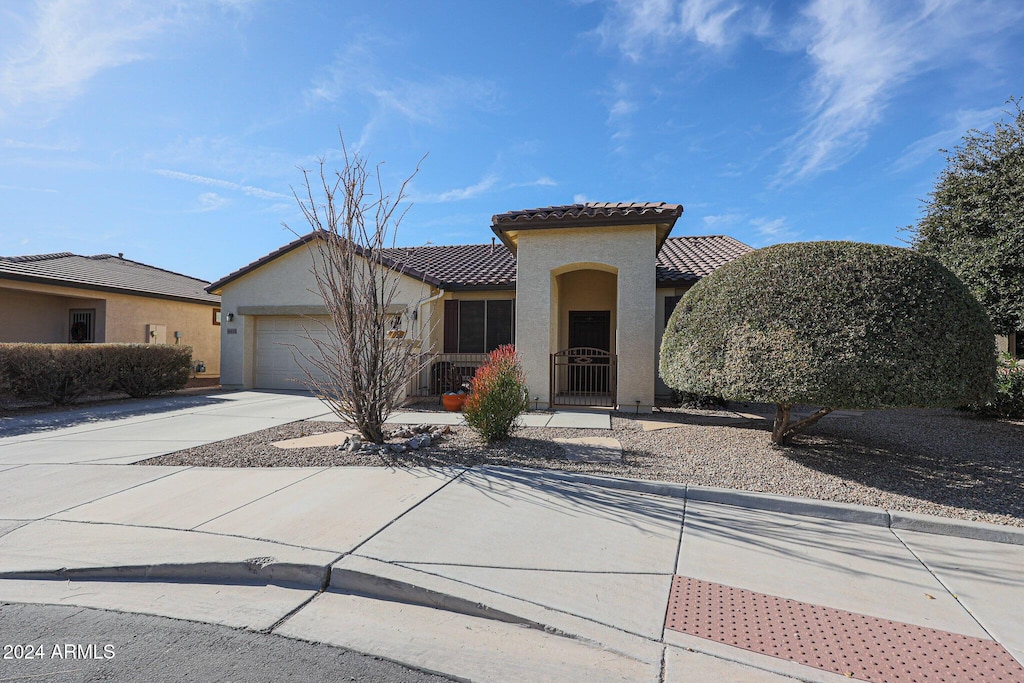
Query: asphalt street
63,644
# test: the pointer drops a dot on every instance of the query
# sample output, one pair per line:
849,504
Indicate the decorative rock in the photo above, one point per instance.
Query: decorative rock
397,448
354,442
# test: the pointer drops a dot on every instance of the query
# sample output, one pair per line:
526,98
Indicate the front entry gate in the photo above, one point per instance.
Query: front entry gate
583,376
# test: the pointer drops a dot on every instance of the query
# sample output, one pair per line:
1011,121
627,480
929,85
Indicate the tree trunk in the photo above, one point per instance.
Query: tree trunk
781,424
784,431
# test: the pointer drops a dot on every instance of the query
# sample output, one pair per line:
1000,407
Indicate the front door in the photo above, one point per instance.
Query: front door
590,328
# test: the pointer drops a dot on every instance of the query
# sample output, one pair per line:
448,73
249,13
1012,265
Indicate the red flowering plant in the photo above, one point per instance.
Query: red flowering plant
498,396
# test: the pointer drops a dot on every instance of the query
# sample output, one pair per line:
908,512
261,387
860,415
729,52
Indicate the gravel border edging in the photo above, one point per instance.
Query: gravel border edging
844,512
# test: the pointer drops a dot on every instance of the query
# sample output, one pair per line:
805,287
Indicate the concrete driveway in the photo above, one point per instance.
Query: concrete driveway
129,432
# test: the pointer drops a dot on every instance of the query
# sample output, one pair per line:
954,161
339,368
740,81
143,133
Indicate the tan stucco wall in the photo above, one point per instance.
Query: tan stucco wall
287,281
630,253
39,313
27,316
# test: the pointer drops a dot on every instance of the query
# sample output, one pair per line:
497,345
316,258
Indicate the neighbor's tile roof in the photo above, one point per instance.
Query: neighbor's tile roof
685,259
105,272
569,213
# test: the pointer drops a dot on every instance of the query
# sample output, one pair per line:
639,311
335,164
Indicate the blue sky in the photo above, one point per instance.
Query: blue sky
174,131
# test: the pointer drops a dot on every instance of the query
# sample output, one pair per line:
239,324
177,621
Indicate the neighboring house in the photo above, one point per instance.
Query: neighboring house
67,298
582,290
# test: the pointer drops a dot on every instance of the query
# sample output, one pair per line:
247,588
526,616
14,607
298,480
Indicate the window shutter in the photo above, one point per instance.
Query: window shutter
670,305
451,326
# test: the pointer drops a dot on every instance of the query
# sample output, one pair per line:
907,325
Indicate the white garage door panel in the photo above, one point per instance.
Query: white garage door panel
277,367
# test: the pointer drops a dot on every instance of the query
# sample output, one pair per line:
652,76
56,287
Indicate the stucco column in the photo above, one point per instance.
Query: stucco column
636,336
534,325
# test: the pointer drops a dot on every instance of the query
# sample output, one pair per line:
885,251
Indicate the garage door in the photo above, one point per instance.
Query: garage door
279,339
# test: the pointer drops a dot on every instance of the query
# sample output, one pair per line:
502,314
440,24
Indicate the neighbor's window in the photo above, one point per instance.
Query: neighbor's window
478,326
216,316
82,326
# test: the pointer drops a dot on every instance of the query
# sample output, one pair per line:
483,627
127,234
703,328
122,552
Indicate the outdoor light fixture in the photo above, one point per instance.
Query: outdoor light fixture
231,316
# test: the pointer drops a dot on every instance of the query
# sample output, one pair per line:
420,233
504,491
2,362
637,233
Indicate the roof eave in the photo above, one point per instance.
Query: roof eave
57,282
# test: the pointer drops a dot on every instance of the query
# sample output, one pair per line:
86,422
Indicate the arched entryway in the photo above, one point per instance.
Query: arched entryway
583,366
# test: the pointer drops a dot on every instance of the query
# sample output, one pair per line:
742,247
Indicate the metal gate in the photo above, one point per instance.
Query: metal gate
583,376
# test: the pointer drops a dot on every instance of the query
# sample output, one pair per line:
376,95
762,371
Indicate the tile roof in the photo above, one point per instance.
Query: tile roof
105,272
636,212
682,260
687,259
461,266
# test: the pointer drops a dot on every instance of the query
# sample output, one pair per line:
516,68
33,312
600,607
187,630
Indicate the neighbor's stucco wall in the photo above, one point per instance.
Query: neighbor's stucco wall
628,252
39,313
284,286
27,316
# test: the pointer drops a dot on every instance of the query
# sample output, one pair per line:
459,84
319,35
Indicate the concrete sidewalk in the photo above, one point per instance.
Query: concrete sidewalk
498,573
129,432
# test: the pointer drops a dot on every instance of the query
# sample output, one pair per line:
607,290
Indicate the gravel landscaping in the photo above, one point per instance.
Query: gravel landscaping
939,462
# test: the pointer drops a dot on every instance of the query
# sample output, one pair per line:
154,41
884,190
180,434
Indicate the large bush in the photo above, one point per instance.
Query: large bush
498,396
833,324
60,373
145,369
1008,400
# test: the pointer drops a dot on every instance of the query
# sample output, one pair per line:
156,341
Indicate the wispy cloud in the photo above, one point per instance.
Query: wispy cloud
722,220
772,230
51,54
37,146
249,190
22,188
637,27
356,74
211,201
458,194
543,181
929,146
862,52
579,198
490,183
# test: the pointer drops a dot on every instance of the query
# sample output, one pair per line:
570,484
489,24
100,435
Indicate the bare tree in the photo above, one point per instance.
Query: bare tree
360,367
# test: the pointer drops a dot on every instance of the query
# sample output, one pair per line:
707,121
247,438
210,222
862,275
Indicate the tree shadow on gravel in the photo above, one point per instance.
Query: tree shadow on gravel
944,457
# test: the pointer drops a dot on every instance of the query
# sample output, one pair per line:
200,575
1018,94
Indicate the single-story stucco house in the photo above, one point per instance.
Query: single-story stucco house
68,298
582,290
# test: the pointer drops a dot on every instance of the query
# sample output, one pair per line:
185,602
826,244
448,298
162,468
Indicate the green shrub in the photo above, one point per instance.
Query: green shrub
61,373
498,396
1008,400
834,324
141,370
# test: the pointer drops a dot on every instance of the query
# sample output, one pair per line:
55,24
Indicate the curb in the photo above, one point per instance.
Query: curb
809,507
250,571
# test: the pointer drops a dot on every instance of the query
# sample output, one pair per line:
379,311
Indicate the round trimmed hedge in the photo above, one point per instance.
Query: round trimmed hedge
837,324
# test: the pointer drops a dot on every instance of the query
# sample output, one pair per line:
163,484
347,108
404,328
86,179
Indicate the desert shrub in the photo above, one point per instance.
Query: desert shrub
1008,400
60,373
498,396
832,324
141,370
53,373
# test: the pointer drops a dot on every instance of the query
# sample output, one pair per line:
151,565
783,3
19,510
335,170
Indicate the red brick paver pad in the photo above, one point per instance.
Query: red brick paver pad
849,644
